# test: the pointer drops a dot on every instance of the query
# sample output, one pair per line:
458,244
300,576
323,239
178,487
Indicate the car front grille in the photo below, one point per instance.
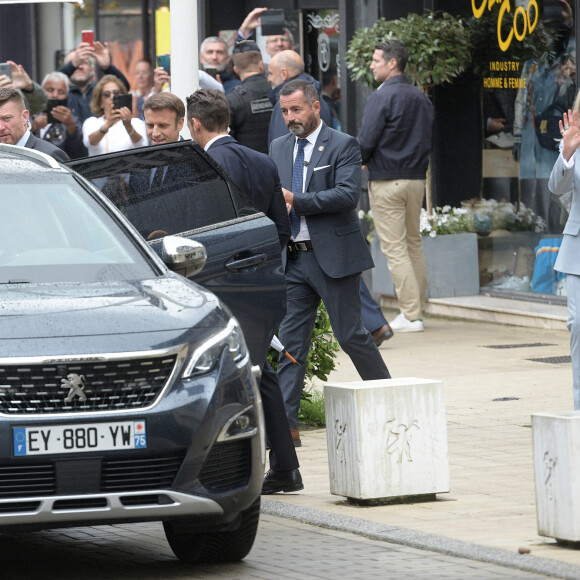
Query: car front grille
27,480
117,475
84,387
227,466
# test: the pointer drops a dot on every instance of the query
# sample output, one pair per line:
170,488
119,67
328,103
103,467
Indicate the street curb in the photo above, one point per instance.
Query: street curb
421,540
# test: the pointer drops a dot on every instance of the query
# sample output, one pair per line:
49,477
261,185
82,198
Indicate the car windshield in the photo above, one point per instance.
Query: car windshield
55,231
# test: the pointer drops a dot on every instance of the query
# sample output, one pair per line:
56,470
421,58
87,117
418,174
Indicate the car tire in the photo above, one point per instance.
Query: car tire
229,546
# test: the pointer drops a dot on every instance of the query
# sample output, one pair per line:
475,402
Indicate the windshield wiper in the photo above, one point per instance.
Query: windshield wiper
16,282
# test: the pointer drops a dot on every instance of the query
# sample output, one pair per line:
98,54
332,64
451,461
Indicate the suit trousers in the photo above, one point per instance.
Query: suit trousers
306,285
372,315
573,291
282,451
396,206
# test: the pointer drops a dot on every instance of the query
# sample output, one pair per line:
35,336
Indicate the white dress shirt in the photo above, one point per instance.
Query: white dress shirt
304,234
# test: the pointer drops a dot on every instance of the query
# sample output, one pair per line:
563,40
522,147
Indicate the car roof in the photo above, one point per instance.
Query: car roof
16,159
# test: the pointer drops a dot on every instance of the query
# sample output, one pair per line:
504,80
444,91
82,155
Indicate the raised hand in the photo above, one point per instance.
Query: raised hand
570,133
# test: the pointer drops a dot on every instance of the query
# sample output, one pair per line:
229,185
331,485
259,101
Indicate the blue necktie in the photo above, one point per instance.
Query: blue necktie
297,181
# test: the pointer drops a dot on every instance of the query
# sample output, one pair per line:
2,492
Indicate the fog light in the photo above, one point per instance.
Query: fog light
240,426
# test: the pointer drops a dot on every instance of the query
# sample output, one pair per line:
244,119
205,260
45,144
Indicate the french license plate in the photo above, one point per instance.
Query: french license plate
79,438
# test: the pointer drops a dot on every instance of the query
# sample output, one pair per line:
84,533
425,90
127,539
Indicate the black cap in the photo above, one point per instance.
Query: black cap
245,46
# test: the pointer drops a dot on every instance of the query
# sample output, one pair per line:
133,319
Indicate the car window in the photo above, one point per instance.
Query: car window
54,230
166,190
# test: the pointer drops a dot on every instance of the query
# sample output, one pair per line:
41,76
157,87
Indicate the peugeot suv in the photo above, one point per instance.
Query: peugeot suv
126,390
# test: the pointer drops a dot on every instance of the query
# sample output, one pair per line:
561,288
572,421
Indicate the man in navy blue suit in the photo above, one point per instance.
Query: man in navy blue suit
208,117
14,125
320,170
149,208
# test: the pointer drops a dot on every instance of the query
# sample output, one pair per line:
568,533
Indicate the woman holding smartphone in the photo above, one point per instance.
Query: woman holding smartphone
112,128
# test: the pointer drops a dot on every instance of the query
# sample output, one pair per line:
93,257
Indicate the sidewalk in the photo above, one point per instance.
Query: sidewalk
492,500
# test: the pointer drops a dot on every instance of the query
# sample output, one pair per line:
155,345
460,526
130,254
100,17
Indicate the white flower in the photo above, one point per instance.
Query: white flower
432,234
370,213
361,214
446,209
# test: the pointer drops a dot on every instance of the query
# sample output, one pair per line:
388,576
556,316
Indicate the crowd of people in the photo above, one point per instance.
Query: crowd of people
275,132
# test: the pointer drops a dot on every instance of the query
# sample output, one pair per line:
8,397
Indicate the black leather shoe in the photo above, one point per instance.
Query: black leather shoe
282,481
383,333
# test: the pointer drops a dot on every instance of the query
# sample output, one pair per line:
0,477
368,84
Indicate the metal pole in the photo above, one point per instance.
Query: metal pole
184,50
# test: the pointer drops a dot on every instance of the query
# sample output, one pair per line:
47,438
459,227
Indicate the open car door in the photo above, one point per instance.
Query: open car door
177,189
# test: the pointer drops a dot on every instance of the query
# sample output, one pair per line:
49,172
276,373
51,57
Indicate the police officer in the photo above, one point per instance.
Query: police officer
250,107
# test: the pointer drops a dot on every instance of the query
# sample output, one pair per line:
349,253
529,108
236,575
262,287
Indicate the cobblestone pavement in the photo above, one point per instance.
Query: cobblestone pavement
283,549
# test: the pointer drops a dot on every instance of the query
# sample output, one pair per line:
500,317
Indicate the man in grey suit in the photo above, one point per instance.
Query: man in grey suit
565,180
14,125
320,171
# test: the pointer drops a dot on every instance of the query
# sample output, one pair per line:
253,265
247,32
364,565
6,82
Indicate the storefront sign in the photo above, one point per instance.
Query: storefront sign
508,82
524,21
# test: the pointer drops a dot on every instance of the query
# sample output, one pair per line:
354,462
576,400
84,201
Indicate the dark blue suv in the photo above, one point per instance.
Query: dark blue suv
126,390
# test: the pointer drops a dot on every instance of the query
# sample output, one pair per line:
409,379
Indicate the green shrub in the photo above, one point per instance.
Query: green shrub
438,45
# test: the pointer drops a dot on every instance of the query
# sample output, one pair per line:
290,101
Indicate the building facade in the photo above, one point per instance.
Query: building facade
493,141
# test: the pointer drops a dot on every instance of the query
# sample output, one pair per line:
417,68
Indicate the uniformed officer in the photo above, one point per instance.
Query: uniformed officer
250,107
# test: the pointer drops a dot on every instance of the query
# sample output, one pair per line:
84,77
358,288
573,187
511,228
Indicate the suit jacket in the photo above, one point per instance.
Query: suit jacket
256,175
46,147
332,191
564,181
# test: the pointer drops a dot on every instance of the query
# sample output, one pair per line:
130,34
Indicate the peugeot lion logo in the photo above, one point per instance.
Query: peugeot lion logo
75,384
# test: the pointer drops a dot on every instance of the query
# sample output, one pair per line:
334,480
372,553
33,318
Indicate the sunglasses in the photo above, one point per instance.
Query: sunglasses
107,94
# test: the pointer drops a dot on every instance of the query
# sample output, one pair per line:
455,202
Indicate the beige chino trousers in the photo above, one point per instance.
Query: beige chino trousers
396,207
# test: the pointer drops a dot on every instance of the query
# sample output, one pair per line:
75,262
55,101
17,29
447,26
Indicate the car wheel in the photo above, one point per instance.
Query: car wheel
227,546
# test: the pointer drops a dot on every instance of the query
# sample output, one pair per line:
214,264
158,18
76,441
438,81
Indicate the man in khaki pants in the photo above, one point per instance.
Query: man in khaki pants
395,140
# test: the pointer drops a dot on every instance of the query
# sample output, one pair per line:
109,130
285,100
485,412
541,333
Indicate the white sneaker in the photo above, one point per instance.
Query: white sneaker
403,324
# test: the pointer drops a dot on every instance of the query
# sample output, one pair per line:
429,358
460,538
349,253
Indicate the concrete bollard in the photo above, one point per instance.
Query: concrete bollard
556,442
387,439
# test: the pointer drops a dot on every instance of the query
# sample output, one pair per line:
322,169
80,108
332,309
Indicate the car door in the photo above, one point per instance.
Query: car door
195,198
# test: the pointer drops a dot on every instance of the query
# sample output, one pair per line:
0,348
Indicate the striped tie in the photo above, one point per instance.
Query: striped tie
297,181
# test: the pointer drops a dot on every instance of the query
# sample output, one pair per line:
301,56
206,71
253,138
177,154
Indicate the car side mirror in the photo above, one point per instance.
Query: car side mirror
184,256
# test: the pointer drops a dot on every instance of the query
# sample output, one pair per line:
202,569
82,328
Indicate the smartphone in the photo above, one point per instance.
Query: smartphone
164,61
211,71
6,69
50,105
272,22
121,101
88,36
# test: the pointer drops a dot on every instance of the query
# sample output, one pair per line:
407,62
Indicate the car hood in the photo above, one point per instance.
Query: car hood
104,317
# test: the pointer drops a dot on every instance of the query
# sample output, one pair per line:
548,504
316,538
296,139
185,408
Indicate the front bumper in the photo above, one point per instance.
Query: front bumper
191,468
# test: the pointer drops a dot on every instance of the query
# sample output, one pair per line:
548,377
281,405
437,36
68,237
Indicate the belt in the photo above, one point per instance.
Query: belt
294,247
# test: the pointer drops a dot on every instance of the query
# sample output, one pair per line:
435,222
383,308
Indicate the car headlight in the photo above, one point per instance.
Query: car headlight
206,356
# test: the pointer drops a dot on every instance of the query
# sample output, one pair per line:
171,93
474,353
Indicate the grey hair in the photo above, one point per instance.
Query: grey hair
213,39
55,76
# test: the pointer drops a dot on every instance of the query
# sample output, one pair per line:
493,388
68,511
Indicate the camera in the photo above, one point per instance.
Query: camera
272,22
120,101
6,69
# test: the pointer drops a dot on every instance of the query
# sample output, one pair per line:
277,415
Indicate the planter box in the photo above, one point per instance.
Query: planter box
556,438
387,439
452,267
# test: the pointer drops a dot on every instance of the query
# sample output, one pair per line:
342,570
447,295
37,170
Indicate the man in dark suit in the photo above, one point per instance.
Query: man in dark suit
148,206
255,173
208,117
320,170
14,125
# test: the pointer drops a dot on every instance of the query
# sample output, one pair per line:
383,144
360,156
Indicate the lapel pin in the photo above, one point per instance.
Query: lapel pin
321,148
